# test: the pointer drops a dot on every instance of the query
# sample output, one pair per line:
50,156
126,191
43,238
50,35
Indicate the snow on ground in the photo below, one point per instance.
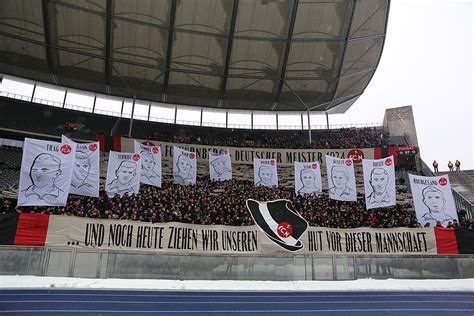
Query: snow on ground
22,282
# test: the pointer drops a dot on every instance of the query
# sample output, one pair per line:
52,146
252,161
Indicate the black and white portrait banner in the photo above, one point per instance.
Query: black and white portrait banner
433,200
220,166
151,164
184,166
379,182
265,172
307,178
123,173
85,172
46,172
341,179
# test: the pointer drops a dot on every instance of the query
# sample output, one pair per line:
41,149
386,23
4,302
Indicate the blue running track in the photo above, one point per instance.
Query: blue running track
114,302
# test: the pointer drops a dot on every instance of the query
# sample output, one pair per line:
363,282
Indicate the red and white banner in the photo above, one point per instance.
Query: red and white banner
123,174
433,199
86,170
244,155
341,179
46,172
379,182
179,238
151,164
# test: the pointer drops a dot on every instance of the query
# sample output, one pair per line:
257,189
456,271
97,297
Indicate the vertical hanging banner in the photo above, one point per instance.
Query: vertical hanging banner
85,172
265,172
220,166
46,172
341,179
433,200
379,182
307,178
184,166
151,164
123,174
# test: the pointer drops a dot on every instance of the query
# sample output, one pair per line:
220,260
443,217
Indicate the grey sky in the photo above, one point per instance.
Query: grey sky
426,63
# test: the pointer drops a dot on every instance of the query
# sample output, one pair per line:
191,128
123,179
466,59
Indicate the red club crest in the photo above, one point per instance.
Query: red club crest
192,155
442,181
284,230
92,147
155,150
272,162
314,166
66,149
147,143
136,157
356,155
388,162
348,162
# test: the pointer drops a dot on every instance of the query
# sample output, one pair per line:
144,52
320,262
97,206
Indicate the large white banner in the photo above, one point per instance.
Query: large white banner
180,238
246,155
123,173
46,172
433,200
341,179
220,166
85,172
184,166
307,178
265,172
151,164
379,182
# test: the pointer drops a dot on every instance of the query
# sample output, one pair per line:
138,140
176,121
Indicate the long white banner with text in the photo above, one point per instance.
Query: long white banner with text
179,238
241,155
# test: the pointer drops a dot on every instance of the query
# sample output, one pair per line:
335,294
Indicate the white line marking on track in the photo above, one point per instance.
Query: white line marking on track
240,311
234,302
214,296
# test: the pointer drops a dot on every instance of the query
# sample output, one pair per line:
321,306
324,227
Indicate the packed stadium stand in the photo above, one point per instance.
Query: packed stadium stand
81,125
175,203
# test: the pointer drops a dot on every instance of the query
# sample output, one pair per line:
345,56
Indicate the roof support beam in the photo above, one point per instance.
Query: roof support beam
108,44
286,54
308,112
348,33
230,42
47,41
166,79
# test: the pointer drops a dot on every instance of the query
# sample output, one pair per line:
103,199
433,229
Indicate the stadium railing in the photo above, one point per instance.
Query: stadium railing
69,262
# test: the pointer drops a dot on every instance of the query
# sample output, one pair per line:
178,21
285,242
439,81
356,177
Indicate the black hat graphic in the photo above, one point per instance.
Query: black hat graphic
280,222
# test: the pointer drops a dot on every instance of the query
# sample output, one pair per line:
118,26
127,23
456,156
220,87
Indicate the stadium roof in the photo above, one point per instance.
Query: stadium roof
231,54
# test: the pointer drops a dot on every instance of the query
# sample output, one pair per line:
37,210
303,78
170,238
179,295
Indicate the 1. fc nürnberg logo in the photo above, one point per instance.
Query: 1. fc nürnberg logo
356,154
280,222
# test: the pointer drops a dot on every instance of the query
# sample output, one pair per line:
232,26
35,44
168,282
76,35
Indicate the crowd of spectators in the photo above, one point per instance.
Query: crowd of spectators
223,203
342,138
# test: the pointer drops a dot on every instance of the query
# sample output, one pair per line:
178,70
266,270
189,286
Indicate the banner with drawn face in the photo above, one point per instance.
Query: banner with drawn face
433,200
85,172
307,178
220,166
123,174
379,182
265,172
46,172
151,164
341,179
184,166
